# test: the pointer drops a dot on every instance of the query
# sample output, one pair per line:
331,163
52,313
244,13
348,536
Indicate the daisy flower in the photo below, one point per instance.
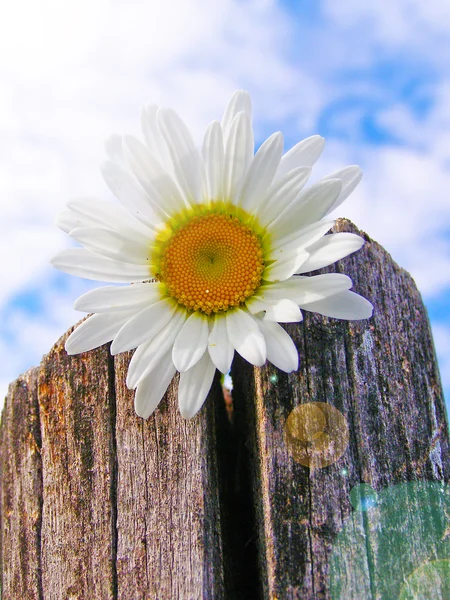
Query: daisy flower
214,242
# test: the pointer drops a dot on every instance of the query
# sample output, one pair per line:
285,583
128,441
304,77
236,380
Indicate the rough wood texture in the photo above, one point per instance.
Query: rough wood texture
96,503
78,545
21,491
109,505
381,375
168,512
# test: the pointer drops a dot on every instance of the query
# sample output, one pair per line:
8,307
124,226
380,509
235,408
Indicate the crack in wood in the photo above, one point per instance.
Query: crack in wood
114,475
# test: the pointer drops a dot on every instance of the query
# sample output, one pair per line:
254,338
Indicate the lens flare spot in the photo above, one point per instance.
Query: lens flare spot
316,434
363,497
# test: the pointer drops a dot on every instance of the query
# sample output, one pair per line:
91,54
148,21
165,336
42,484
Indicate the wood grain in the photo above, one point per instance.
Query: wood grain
75,404
21,490
168,511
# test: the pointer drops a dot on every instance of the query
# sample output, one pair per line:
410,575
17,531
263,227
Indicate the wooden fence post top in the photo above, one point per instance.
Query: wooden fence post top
303,494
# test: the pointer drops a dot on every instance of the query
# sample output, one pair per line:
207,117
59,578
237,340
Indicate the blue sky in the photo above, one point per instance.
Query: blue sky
373,77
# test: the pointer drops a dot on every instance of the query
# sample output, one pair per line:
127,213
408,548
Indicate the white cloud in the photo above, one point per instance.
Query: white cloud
391,23
431,133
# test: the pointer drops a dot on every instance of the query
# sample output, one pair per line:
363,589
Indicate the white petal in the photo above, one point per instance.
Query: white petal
261,172
281,350
239,102
238,155
219,347
111,298
346,305
118,246
280,310
283,311
147,356
162,191
330,249
304,237
303,154
246,337
306,289
153,138
286,265
95,331
113,147
213,157
187,163
82,263
66,221
280,250
194,386
349,177
143,326
257,304
282,192
90,212
151,390
309,206
128,191
191,342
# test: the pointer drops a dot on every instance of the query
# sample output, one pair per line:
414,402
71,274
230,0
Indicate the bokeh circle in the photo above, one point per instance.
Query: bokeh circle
316,434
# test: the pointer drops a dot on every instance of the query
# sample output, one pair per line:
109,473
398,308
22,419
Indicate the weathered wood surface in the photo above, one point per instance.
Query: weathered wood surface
109,505
169,542
21,490
381,374
96,503
77,545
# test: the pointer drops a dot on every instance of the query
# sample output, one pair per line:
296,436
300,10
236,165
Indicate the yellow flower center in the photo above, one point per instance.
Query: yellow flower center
211,263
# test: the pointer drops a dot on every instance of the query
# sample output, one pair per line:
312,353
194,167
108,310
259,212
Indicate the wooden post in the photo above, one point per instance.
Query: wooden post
381,375
96,503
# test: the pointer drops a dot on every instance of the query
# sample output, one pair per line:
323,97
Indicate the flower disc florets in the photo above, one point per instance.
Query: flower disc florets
211,262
